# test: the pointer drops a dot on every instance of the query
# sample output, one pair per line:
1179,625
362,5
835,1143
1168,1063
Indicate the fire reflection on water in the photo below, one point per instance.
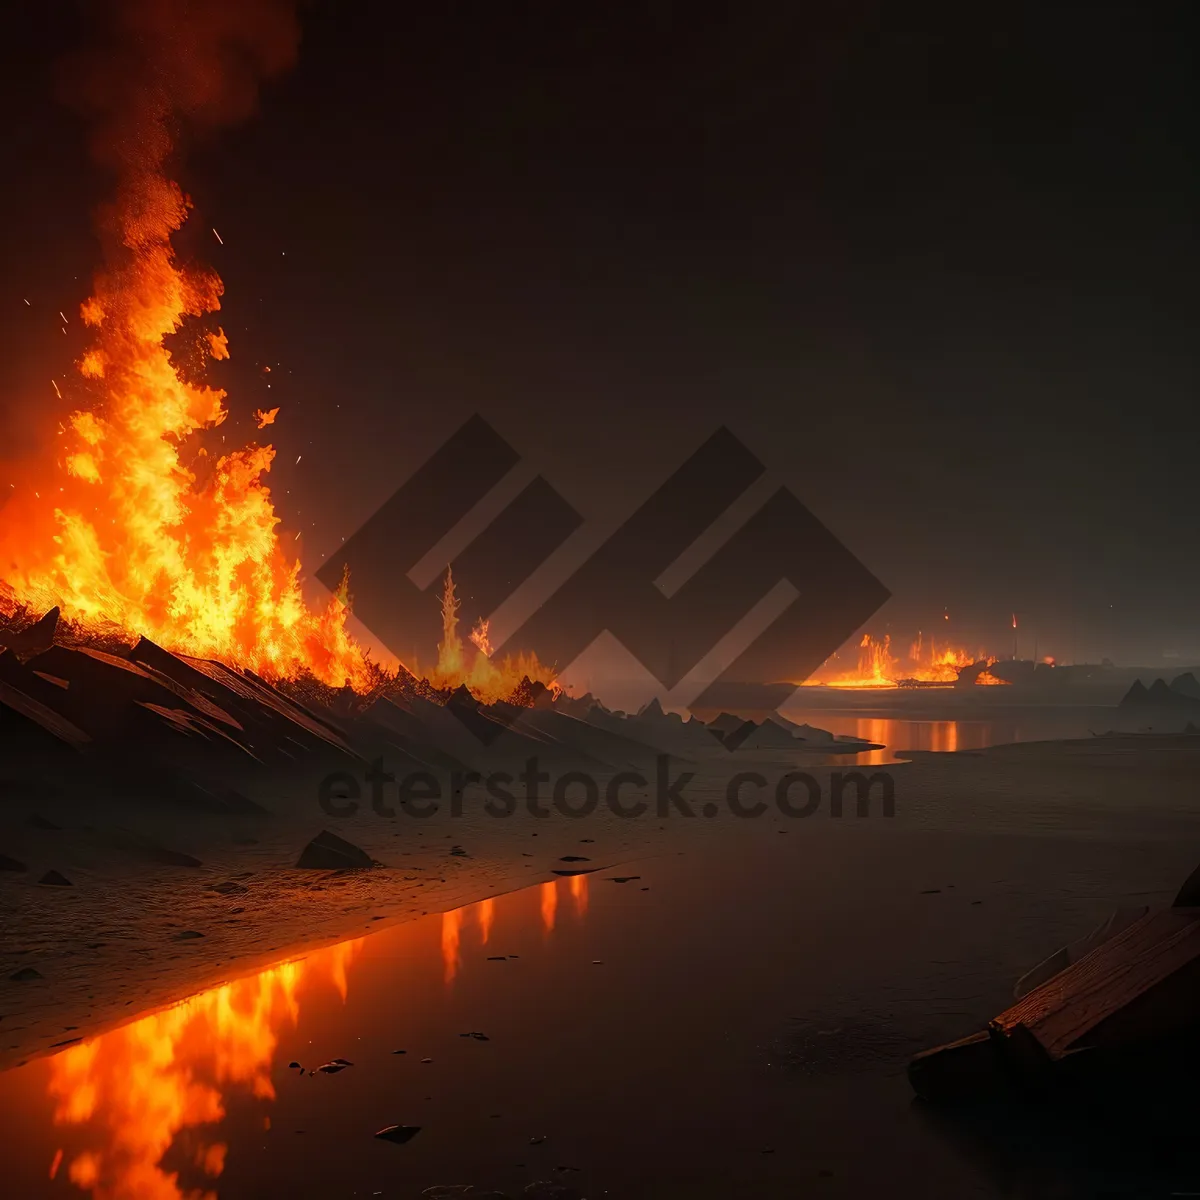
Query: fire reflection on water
487,913
138,1087
579,894
145,1101
451,937
549,905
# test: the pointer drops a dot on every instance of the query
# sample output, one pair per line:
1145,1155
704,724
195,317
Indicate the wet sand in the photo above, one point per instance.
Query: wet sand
818,953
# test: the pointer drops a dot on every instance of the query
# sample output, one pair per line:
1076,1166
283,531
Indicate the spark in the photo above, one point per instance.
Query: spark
26,301
55,387
60,313
218,237
298,458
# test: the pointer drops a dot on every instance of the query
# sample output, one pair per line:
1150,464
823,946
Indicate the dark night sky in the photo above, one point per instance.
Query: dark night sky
941,278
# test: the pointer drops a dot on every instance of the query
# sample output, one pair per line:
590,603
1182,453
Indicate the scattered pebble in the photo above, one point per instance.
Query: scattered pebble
399,1133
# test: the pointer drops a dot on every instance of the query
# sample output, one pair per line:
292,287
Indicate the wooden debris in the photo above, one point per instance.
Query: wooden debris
1137,988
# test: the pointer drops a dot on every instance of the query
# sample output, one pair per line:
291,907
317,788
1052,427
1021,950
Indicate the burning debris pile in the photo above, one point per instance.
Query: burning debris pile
143,723
925,665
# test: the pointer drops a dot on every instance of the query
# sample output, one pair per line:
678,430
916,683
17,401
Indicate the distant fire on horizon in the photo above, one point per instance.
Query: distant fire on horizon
926,663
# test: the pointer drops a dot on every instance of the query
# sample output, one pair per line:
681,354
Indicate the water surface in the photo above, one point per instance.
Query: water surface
723,1025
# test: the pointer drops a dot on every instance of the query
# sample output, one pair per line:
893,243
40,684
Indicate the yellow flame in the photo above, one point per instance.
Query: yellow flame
487,680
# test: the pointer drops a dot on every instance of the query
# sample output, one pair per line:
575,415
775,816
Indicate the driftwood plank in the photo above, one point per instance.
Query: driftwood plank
1065,1008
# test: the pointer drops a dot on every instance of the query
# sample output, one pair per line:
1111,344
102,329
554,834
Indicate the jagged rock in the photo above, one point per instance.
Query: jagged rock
400,1134
54,879
11,864
1161,696
30,722
1180,694
328,852
37,637
25,974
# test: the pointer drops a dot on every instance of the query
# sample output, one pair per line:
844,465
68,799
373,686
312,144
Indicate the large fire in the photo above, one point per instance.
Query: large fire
132,523
138,521
925,663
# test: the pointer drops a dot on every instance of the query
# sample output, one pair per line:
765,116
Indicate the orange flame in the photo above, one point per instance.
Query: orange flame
489,681
130,524
925,663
